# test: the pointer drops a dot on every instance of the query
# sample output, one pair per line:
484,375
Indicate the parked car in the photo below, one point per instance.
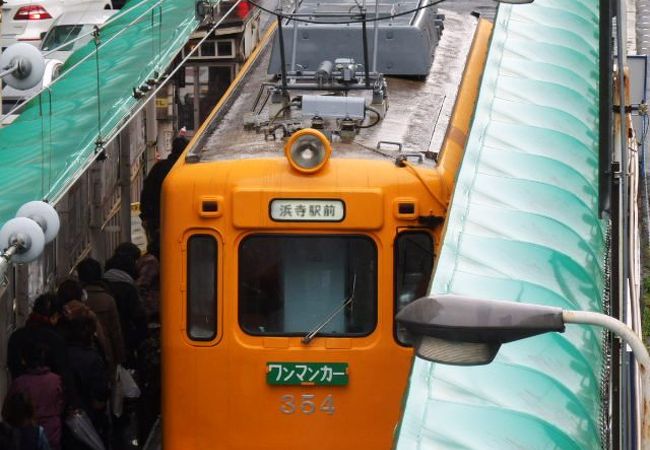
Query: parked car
28,20
69,26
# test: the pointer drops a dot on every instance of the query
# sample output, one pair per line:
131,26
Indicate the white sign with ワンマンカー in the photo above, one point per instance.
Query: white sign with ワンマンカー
307,210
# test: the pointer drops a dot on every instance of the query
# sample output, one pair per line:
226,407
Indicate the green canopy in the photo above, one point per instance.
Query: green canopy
51,142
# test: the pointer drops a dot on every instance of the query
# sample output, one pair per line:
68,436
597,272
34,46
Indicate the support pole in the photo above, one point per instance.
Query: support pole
605,110
638,349
294,45
622,231
125,184
283,61
97,240
375,37
625,207
365,49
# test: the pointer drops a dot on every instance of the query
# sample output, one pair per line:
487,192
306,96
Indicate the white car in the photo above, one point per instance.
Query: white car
28,20
69,26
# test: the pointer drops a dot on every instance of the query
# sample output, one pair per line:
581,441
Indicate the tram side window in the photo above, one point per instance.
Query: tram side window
292,285
413,268
202,287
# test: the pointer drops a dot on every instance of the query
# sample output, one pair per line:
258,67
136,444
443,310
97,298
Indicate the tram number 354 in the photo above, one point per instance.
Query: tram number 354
306,404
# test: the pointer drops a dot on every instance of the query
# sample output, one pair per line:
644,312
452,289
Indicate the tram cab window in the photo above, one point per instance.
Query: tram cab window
202,287
413,269
290,285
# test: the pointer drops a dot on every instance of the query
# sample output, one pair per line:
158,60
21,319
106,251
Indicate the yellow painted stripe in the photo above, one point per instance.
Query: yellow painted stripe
453,146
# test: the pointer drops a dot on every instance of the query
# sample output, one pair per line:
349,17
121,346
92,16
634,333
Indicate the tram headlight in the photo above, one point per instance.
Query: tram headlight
308,150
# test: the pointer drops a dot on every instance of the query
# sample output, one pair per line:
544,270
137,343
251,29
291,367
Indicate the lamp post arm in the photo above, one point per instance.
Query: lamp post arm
638,348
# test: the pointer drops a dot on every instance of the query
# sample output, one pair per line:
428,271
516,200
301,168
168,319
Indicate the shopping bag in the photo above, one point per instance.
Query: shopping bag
82,429
130,388
117,395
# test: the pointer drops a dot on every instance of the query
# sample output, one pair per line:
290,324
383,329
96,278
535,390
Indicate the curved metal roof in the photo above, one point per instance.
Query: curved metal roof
524,227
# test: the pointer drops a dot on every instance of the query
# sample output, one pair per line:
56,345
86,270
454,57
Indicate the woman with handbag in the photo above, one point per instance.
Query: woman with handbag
87,366
44,390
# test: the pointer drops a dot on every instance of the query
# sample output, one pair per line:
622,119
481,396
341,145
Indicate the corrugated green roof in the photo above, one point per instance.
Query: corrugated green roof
524,227
55,135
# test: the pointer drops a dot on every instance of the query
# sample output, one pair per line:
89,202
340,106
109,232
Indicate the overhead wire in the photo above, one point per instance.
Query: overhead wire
343,22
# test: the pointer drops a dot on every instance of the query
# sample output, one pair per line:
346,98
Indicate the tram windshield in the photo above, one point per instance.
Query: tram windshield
288,285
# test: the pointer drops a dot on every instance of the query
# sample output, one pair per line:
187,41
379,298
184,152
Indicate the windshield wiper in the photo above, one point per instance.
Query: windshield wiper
312,334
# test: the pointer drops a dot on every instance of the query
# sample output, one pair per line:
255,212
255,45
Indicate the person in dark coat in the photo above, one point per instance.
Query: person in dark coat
40,329
71,290
120,276
151,189
102,303
128,249
148,281
87,365
44,390
7,438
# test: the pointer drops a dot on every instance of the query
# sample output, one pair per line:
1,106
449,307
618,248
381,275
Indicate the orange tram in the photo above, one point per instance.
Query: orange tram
286,257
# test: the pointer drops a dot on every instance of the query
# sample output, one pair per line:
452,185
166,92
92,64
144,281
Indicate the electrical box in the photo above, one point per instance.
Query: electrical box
336,107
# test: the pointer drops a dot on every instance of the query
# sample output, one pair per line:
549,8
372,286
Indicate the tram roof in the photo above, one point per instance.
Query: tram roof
417,117
524,226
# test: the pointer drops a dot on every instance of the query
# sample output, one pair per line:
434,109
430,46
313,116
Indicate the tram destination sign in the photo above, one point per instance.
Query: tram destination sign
307,210
307,374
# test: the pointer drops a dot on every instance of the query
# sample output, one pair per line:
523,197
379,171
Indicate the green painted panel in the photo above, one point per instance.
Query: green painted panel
307,373
54,136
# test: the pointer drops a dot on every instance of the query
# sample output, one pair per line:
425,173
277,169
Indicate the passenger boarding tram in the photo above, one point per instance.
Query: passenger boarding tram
292,233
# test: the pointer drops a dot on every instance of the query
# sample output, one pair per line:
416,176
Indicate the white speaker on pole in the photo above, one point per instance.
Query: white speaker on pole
23,238
43,214
26,235
27,63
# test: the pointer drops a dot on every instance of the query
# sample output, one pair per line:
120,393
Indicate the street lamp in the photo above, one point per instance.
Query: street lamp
452,329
